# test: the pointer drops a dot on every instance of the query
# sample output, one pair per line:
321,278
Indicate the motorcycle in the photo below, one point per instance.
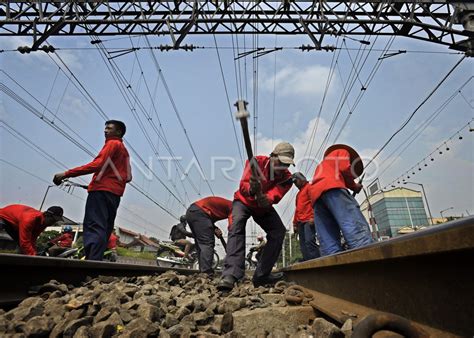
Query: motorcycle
170,255
251,260
109,255
68,253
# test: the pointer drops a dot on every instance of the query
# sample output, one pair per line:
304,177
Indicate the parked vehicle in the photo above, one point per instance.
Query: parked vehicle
109,255
68,253
251,260
171,255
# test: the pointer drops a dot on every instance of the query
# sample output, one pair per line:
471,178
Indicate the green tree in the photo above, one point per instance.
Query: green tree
44,238
291,256
154,239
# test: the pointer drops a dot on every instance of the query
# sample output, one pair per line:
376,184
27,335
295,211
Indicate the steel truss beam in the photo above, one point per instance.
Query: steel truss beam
428,20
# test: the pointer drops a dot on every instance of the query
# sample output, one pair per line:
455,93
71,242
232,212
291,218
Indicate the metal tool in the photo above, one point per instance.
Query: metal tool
242,114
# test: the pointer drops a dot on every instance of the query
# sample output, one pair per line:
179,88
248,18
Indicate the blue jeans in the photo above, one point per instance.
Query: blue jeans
307,238
337,211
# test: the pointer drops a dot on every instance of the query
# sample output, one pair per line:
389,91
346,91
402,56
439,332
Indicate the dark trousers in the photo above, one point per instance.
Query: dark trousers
202,228
5,225
99,218
307,238
8,228
270,222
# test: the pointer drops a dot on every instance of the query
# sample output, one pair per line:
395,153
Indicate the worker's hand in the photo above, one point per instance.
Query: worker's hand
263,201
255,185
58,178
357,187
218,232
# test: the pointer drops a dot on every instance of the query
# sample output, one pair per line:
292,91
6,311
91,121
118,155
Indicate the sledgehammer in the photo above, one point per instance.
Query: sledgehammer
242,114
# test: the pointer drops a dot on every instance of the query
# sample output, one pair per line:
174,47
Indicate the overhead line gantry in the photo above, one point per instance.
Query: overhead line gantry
449,23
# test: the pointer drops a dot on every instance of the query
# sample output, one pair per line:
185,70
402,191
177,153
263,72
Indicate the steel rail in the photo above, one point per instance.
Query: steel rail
22,273
425,276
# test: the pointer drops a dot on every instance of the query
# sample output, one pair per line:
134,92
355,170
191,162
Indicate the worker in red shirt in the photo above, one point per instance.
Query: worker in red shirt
201,216
113,239
255,198
335,209
111,169
303,220
62,242
24,224
112,246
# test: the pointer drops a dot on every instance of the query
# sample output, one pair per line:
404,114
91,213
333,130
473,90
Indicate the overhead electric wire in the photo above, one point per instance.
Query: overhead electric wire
33,146
25,140
162,135
51,90
351,80
101,112
117,76
238,88
310,143
178,115
197,48
274,92
354,69
33,110
26,105
25,171
430,155
78,84
368,81
133,150
418,131
404,124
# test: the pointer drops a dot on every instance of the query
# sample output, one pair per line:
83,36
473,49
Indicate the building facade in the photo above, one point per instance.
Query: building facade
393,210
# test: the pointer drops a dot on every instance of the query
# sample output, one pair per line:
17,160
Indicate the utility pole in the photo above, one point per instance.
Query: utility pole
426,199
441,212
44,197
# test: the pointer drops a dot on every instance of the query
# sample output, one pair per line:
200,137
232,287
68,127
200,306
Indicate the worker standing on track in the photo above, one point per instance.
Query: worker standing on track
201,216
111,169
255,198
24,224
335,209
303,220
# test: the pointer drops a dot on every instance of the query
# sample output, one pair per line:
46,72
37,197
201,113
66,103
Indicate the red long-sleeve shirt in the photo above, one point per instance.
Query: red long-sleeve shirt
274,188
217,208
111,168
304,208
112,243
64,241
29,223
332,173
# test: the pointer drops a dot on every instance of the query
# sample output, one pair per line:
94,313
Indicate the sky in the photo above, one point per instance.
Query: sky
290,99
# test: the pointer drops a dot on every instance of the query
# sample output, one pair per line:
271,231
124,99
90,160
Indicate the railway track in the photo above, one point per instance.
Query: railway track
425,277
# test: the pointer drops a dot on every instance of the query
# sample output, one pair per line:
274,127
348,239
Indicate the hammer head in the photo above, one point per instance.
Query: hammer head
241,112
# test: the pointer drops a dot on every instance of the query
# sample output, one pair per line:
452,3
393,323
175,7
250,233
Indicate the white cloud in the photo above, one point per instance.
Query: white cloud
297,80
75,106
300,143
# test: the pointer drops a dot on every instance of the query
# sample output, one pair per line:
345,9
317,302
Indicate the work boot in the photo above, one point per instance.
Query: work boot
270,279
226,283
